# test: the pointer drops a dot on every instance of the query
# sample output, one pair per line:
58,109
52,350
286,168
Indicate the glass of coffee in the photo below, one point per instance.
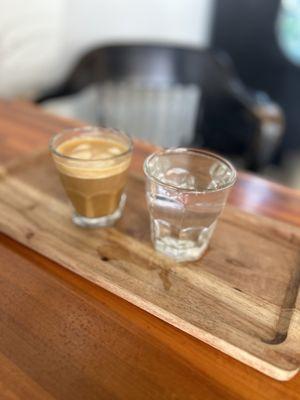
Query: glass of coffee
93,165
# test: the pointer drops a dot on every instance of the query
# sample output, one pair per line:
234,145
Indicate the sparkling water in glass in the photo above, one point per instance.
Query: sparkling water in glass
186,192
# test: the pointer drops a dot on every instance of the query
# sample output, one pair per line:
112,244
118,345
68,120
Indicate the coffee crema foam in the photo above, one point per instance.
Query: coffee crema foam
92,157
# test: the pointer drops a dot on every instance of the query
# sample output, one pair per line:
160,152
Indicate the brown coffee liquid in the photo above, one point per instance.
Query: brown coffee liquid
95,175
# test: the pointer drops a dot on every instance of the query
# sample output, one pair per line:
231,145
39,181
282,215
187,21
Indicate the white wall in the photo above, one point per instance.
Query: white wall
40,40
30,45
172,21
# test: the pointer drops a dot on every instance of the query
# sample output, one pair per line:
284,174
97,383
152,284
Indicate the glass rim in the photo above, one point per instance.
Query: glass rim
178,150
89,129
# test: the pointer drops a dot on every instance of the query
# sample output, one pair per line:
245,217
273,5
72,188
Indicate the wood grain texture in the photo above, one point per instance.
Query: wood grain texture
241,297
155,360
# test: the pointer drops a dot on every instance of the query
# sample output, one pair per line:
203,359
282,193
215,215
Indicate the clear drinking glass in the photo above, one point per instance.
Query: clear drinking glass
93,164
186,191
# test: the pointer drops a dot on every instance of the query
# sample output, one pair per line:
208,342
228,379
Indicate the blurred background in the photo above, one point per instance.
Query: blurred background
220,74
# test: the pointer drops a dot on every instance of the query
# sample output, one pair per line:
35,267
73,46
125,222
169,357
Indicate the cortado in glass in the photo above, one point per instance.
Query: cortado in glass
93,165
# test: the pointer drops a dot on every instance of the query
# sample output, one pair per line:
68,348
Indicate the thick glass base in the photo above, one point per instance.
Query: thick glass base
180,250
100,222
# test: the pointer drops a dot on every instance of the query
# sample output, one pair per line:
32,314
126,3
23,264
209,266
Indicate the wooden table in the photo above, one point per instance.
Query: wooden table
86,343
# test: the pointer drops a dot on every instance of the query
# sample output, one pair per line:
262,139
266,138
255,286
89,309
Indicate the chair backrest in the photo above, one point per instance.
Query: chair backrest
154,92
151,91
147,64
164,115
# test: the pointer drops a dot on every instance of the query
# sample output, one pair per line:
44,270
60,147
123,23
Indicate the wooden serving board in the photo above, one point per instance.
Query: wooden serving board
241,297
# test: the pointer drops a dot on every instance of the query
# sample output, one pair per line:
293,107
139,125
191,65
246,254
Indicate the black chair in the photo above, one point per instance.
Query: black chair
172,96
